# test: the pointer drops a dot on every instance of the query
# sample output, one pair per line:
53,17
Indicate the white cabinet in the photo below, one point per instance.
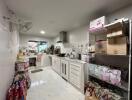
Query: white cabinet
65,69
56,64
77,75
74,71
57,67
53,63
43,60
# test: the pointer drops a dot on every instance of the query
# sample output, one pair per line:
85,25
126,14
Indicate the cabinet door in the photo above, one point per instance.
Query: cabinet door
64,69
57,65
75,74
53,62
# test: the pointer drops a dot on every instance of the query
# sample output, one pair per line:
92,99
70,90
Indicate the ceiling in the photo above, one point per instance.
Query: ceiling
54,16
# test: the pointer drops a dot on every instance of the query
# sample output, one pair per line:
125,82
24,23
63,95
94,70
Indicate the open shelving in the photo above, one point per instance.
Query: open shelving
108,27
120,61
114,25
123,86
97,31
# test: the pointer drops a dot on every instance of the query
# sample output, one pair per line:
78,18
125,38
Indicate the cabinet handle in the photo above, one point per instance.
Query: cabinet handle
65,69
62,67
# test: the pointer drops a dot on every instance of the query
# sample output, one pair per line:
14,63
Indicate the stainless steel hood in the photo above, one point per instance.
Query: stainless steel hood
63,37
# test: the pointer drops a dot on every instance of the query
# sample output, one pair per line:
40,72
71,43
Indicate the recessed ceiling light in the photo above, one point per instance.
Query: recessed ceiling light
42,32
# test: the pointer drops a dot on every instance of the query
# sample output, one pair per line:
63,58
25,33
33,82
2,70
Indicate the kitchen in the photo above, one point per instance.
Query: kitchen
74,63
69,47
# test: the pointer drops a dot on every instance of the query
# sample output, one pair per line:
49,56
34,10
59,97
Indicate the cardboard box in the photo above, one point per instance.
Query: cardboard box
101,47
117,46
92,48
87,97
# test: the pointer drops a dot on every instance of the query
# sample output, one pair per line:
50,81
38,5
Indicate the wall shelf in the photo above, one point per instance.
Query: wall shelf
118,28
98,31
114,25
123,86
112,35
118,24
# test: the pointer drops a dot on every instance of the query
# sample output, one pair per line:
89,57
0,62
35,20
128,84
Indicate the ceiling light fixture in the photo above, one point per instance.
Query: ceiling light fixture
42,32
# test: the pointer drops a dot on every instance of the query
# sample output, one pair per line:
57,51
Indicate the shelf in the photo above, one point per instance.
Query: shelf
116,24
98,31
123,86
112,35
104,29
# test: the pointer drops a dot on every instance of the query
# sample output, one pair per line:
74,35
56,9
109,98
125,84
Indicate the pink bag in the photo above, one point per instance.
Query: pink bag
105,75
115,77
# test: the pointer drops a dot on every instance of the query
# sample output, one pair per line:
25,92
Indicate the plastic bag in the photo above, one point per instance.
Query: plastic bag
115,77
98,71
92,68
105,75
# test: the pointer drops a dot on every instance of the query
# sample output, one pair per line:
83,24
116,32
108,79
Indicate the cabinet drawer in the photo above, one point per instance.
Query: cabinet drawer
76,72
76,67
75,82
72,75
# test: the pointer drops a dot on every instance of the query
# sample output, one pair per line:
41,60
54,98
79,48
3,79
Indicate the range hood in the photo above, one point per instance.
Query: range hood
63,37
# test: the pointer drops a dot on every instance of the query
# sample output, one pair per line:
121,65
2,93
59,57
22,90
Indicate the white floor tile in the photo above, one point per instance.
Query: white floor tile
47,85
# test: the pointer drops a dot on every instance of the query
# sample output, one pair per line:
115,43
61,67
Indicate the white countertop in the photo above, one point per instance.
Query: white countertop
69,59
74,60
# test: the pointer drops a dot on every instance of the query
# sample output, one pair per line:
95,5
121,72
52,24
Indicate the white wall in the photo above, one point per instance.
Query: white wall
25,38
80,35
8,49
57,38
124,12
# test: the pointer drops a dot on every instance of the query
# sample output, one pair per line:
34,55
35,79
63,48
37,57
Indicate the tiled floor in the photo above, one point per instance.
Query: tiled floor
47,85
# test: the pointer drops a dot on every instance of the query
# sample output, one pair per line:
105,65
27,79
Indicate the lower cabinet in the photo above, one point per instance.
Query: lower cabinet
77,75
56,64
57,67
53,63
72,71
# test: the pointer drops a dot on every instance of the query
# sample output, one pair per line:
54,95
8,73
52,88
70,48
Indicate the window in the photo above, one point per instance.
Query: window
37,46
